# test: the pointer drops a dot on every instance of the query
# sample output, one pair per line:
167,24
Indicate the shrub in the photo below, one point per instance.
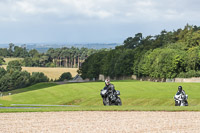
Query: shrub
20,79
5,83
50,64
38,77
14,80
189,74
2,61
65,76
2,72
14,65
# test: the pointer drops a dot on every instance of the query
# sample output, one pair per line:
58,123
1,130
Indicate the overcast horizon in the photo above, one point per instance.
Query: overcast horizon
91,21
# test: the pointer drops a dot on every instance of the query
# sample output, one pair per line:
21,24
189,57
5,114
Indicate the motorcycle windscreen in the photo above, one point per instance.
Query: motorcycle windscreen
103,92
118,92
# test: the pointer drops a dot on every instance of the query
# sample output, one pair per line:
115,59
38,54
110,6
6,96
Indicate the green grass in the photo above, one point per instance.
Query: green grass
135,95
30,88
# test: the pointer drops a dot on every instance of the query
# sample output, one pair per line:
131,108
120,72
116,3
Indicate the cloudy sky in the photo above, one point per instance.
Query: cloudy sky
91,21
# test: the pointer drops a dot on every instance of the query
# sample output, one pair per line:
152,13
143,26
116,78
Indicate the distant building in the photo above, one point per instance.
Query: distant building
78,78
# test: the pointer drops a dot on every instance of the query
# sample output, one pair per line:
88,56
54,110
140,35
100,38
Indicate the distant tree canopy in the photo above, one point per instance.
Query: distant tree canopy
1,60
14,65
58,57
167,55
65,76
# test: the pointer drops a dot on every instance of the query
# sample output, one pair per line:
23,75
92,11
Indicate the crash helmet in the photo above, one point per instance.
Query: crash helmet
107,81
180,88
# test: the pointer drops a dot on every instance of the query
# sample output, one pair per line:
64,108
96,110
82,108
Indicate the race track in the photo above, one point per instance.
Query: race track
100,122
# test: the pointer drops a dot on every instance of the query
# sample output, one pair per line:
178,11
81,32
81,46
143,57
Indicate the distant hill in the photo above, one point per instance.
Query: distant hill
43,47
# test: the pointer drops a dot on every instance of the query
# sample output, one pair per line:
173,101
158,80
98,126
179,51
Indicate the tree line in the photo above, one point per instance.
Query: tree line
58,57
169,54
13,77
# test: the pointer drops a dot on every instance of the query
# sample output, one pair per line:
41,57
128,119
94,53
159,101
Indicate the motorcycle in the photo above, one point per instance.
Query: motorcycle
110,98
180,99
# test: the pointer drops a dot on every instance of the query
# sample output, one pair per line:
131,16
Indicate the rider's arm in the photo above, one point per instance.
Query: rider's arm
183,92
105,88
113,88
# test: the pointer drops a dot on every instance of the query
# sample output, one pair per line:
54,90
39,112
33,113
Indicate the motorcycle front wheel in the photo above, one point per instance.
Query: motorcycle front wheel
105,101
177,103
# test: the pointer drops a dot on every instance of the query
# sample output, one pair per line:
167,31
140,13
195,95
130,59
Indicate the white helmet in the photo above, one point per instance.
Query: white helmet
107,81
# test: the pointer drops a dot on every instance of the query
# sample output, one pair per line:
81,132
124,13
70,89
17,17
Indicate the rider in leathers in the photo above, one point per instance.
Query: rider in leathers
110,87
110,97
181,91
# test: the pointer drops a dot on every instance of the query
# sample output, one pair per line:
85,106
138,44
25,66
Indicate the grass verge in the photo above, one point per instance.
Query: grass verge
135,95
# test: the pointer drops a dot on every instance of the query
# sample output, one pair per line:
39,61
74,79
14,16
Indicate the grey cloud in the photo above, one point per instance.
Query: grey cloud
117,18
126,10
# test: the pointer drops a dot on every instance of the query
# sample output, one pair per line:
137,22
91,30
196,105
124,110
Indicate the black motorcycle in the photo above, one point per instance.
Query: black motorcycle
110,98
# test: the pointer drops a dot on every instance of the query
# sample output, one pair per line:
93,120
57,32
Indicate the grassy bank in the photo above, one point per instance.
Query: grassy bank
135,95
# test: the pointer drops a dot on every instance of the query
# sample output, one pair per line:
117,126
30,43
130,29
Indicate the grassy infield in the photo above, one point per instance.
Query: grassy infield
135,95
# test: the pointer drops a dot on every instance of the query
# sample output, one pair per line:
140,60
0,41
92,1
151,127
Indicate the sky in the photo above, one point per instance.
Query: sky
91,21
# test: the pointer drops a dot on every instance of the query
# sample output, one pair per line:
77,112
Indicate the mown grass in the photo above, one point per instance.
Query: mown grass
30,88
104,108
135,95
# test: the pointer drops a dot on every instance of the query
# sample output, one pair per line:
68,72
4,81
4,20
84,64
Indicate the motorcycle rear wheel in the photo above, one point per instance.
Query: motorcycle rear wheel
119,102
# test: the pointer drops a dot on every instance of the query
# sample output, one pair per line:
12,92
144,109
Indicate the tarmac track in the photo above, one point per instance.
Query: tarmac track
100,121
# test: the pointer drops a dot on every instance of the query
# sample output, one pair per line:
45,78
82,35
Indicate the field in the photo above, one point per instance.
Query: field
50,72
135,95
11,59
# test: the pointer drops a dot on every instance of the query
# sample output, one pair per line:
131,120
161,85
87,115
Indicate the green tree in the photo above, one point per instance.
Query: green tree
132,43
162,63
19,79
18,51
28,62
5,83
14,65
2,72
43,60
38,77
92,66
65,76
1,60
34,53
10,50
4,52
193,59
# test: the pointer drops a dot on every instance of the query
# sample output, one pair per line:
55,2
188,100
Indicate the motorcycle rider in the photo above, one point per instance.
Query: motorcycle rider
110,95
108,86
181,91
